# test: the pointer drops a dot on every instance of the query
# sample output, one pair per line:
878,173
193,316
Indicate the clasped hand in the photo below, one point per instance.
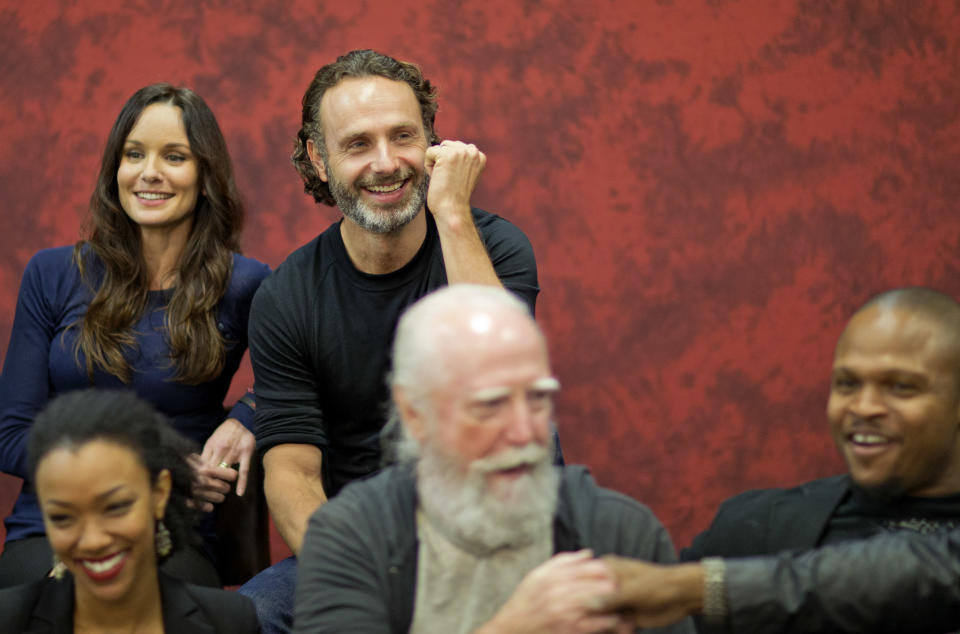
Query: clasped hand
230,444
557,597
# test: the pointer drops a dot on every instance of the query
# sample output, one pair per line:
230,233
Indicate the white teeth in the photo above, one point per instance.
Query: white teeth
869,439
152,196
104,564
383,189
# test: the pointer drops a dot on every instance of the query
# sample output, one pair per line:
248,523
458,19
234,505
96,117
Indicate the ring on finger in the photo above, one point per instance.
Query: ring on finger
225,465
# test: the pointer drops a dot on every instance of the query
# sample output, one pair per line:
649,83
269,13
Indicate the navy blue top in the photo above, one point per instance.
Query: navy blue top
40,363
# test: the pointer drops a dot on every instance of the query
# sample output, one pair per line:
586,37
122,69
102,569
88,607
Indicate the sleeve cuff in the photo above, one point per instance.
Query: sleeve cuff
243,411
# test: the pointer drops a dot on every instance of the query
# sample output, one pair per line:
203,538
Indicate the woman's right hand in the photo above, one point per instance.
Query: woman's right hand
211,482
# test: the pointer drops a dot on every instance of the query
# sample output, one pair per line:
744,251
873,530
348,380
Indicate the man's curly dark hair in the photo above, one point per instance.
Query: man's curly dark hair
360,63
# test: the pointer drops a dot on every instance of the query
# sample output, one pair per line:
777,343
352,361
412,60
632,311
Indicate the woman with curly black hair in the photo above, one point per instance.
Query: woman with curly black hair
116,492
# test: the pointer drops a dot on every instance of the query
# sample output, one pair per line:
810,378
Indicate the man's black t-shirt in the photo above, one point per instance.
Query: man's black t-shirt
320,338
860,516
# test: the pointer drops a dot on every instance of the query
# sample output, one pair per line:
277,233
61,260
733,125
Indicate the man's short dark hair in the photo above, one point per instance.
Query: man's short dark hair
925,302
360,63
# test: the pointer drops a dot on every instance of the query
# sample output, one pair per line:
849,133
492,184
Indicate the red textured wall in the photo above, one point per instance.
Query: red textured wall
710,186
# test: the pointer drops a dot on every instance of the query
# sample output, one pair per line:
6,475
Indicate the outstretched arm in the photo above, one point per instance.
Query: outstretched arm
891,583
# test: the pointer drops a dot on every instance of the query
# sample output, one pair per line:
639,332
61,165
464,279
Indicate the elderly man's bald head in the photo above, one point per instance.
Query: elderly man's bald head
471,374
434,335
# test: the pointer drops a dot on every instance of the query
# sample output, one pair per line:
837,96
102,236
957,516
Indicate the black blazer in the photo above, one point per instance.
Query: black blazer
46,607
768,521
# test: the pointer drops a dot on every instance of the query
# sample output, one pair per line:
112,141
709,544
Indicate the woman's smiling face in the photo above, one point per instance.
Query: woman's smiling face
158,177
100,510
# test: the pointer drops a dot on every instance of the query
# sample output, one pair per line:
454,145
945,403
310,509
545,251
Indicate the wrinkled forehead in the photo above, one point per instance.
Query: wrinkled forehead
357,103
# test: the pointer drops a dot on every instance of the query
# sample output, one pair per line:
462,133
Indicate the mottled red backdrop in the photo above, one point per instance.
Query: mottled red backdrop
710,186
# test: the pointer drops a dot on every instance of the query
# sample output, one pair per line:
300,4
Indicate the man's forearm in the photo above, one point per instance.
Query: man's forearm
891,583
294,490
464,256
291,511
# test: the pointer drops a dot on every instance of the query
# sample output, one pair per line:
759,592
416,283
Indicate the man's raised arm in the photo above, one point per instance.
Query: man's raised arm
455,169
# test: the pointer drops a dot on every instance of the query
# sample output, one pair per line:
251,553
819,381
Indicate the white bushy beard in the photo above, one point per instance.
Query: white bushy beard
516,514
379,220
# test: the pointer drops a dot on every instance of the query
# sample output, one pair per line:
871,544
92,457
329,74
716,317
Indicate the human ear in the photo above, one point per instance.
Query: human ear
317,160
410,416
161,493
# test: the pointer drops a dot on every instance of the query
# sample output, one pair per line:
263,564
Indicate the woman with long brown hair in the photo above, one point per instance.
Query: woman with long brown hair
155,299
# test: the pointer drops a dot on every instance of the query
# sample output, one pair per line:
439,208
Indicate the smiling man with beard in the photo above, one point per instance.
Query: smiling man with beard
474,530
894,413
321,326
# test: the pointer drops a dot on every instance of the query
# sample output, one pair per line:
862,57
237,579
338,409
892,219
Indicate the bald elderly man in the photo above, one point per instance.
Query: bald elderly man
474,530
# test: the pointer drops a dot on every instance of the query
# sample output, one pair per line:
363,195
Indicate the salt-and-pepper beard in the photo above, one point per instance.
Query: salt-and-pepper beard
379,220
515,514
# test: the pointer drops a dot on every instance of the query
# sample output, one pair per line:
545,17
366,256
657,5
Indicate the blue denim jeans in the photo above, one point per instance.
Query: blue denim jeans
272,594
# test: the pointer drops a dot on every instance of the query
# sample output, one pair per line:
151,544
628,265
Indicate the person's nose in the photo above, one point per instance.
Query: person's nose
151,172
868,402
522,425
385,158
93,537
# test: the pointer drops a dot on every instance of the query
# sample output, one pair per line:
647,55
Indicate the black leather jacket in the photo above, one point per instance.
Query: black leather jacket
892,583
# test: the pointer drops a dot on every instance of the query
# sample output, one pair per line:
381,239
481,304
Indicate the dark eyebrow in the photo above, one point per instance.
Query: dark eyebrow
362,134
101,496
906,374
167,146
349,138
886,374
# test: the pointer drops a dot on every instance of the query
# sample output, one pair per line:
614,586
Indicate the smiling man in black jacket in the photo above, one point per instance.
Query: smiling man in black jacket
894,412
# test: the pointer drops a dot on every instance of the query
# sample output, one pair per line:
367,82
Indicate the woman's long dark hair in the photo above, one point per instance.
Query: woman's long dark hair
76,418
203,272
